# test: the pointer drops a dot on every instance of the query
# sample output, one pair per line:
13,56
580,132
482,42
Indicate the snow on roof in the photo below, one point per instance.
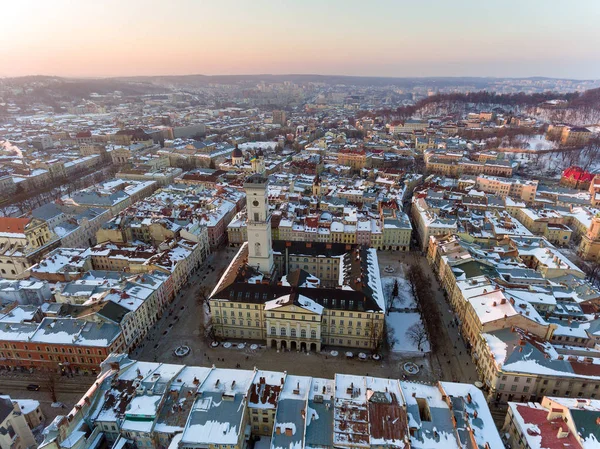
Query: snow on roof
477,414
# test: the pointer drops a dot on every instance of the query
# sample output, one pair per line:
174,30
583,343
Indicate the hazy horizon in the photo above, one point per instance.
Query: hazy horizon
340,75
384,38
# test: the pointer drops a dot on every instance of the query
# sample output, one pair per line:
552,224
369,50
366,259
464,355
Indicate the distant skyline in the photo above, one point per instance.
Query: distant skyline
388,38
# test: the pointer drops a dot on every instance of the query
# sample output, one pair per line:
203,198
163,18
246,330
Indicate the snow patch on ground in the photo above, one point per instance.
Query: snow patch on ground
397,324
405,298
539,142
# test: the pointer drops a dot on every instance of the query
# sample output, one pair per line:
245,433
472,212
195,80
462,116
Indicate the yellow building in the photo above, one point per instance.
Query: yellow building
309,294
575,136
589,248
23,242
354,158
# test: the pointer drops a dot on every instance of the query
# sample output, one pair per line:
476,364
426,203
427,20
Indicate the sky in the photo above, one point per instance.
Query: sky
99,38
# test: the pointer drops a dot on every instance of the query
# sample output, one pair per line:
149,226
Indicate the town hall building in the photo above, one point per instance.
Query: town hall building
295,295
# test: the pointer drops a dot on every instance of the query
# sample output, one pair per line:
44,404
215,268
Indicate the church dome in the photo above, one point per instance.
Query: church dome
237,153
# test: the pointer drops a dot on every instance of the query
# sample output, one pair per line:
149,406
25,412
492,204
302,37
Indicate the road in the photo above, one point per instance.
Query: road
183,323
79,384
68,391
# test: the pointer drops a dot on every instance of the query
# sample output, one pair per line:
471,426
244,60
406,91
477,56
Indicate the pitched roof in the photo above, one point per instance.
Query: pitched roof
13,225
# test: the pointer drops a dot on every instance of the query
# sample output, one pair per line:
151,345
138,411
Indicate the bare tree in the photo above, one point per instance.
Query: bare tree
414,277
208,329
202,295
391,295
390,336
592,270
590,155
50,382
417,334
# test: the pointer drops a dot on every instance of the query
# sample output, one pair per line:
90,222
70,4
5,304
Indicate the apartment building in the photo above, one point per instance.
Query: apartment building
428,224
443,166
16,434
502,187
57,344
354,158
575,136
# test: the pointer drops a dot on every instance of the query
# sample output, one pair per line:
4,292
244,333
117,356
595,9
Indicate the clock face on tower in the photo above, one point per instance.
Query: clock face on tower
255,203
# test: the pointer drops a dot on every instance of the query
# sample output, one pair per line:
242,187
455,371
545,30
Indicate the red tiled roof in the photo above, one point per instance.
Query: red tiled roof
578,174
14,225
547,430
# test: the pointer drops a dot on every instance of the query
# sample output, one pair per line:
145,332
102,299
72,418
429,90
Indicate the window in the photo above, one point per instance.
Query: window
303,333
282,332
313,334
293,333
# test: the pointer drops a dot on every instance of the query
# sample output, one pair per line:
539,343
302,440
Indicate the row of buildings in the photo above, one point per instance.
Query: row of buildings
142,404
527,314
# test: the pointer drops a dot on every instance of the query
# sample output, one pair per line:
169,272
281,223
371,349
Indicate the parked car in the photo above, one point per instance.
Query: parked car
33,387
